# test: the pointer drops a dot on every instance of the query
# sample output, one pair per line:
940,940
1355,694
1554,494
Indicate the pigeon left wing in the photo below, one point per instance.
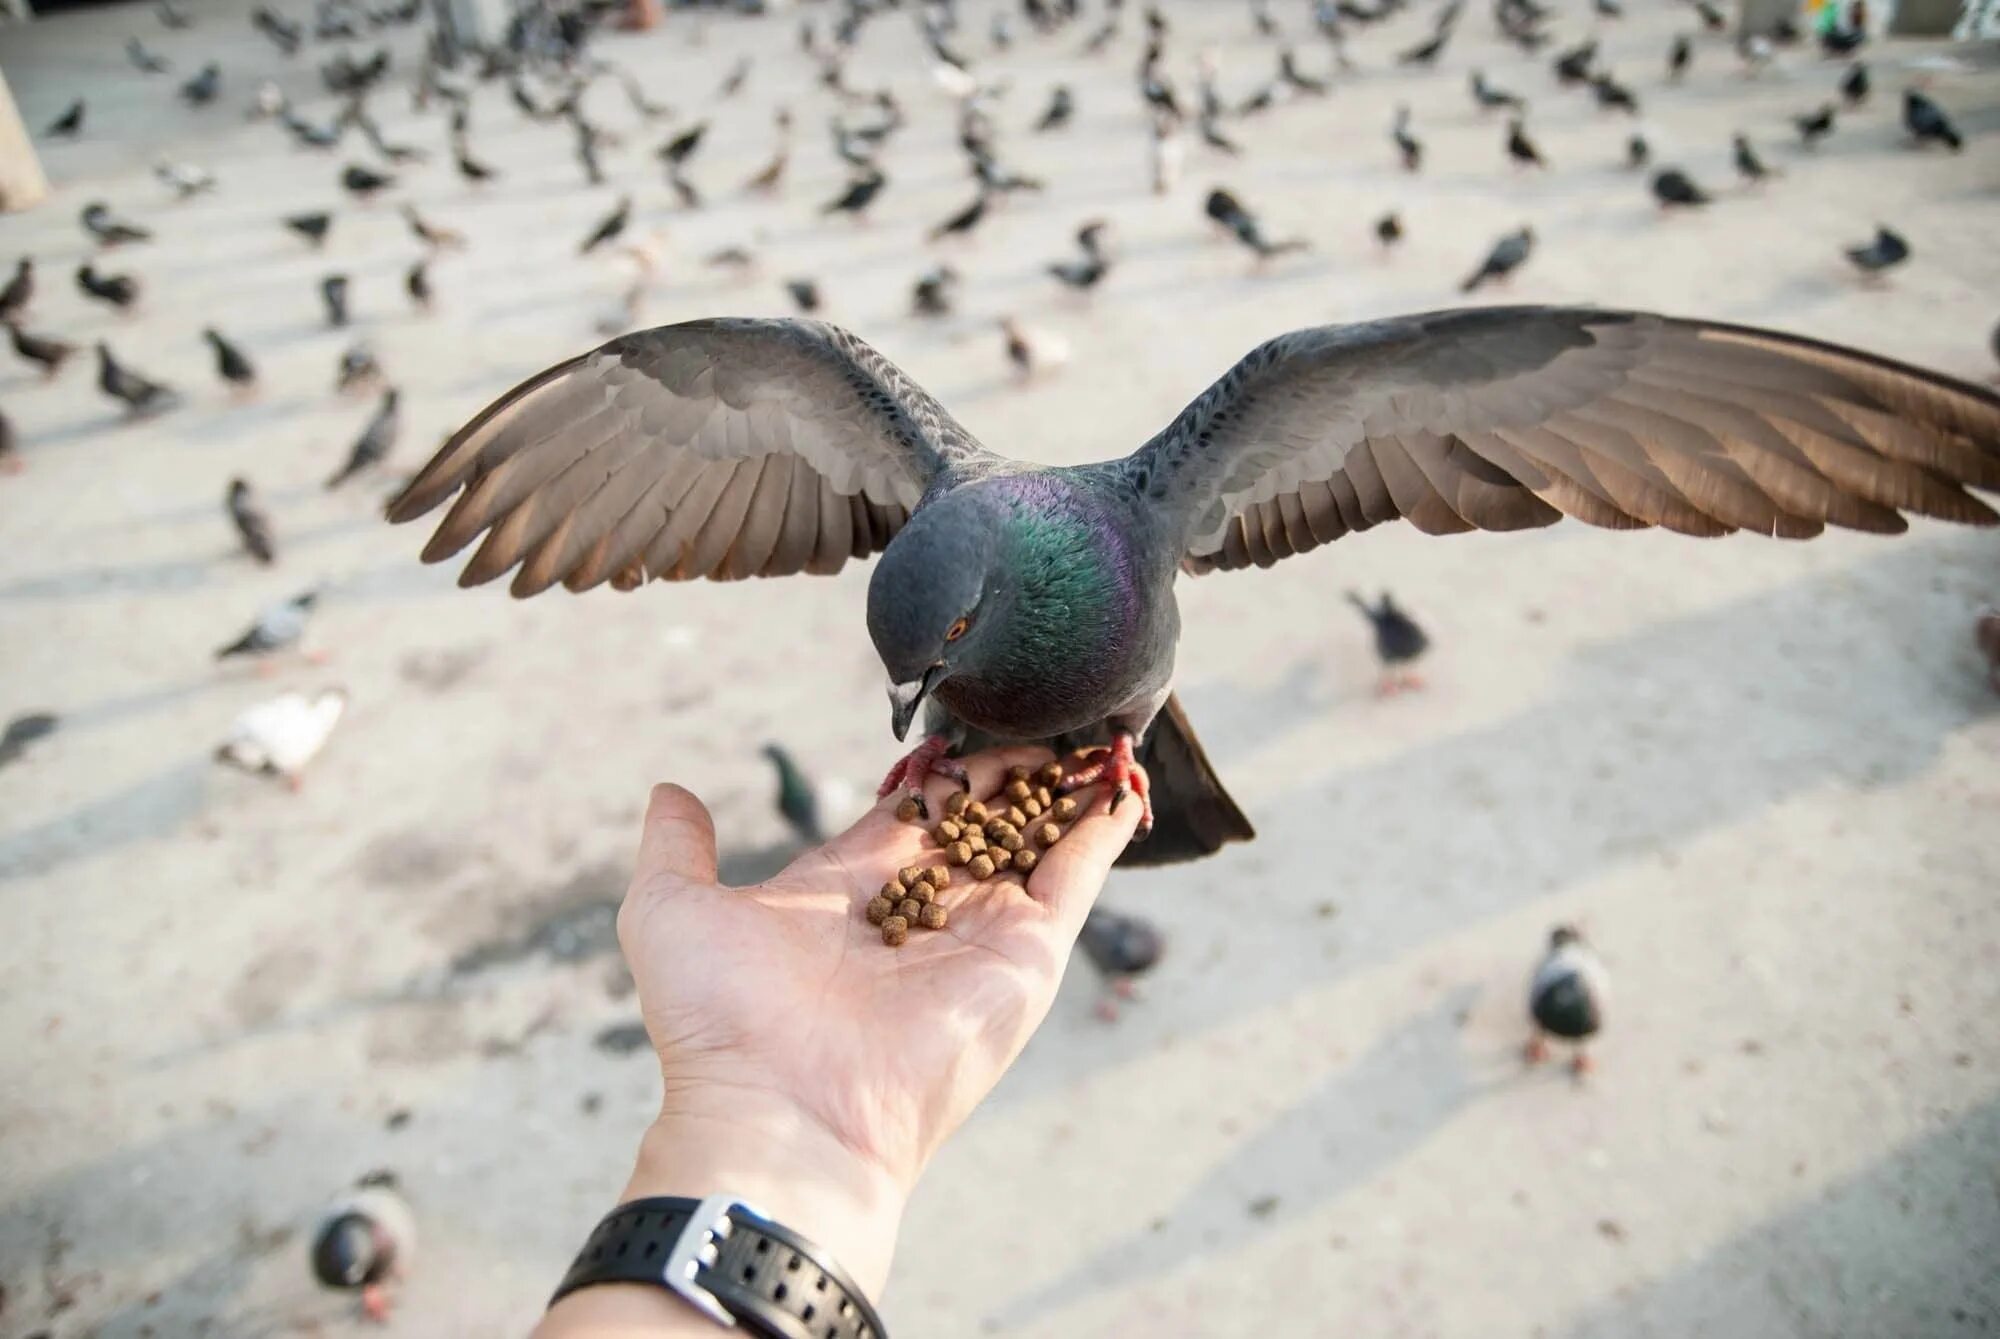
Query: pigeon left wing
719,448
1506,418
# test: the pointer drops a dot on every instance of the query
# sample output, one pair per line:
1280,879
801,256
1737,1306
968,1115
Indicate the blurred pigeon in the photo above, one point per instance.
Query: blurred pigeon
1678,57
120,290
312,227
1520,148
773,173
1389,230
141,395
1573,65
1926,121
377,440
417,283
1122,949
1508,254
363,181
279,738
963,222
143,60
1408,145
185,180
1567,996
1424,53
1986,634
1748,164
1293,78
1032,351
1612,95
24,730
1062,106
805,293
1674,189
285,34
252,522
1854,85
681,147
1815,126
170,15
1399,644
20,290
333,294
48,352
609,228
1637,152
10,447
1712,17
230,364
278,627
201,90
860,193
358,369
733,83
109,231
430,234
933,292
1169,151
1886,251
1226,210
797,802
69,125
1489,97
469,167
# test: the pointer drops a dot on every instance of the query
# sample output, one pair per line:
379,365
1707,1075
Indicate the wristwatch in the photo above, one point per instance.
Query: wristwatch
730,1262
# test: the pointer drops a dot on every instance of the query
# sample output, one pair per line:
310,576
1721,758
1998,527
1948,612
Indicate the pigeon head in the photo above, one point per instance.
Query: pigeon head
938,599
1564,934
347,1253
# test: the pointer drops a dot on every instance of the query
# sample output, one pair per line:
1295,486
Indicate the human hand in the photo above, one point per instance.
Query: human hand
809,1068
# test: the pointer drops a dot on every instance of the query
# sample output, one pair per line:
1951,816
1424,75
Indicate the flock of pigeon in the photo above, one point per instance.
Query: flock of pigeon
546,65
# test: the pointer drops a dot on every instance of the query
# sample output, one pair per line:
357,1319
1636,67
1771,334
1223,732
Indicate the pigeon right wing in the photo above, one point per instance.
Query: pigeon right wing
717,448
1506,418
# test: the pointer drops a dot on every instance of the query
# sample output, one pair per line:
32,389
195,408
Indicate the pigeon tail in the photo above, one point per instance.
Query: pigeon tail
1194,815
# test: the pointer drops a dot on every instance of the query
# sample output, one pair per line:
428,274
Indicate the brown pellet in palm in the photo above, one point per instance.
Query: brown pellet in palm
1044,796
1017,817
893,890
1049,773
906,809
958,852
1002,860
938,877
954,803
1032,807
895,931
922,891
1019,790
909,874
980,866
947,832
976,812
1047,834
976,839
1026,859
1063,810
1011,841
879,909
995,827
909,908
933,917
1018,774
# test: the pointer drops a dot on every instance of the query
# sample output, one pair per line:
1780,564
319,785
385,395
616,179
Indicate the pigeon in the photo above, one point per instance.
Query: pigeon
609,228
1023,602
364,182
1748,164
1408,145
252,522
278,738
1612,95
10,447
144,61
333,293
1679,55
48,352
1566,997
1712,17
1389,230
358,370
109,232
312,227
1062,106
773,172
185,180
1424,53
1674,189
141,395
797,804
120,290
963,222
377,440
1032,351
1082,274
1637,151
230,364
1887,251
1926,121
1169,151
69,125
1122,949
277,628
170,15
1487,97
1293,78
20,290
1986,634
438,239
1573,65
1755,51
201,90
1522,149
471,168
417,283
805,293
1854,85
1229,212
24,730
284,34
1399,644
1508,254
731,258
676,151
932,293
307,134
1814,127
860,193
733,83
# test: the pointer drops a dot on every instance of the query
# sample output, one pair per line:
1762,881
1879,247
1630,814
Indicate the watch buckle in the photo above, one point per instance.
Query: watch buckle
697,1247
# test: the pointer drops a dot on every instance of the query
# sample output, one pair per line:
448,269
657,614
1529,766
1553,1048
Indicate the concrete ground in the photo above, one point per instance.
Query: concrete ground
1765,776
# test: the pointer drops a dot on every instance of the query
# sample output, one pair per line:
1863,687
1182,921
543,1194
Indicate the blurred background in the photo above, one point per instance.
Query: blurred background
1763,778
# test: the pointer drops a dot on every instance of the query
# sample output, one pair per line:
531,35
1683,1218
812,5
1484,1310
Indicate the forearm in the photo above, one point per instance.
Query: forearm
786,1167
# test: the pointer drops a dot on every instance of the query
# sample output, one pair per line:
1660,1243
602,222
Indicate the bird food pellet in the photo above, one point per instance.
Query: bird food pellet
1032,807
1019,790
933,916
1002,860
892,890
976,839
908,875
923,890
995,828
1047,834
1017,774
954,803
1017,817
1044,796
1049,774
1010,841
895,930
879,909
976,813
906,809
938,877
1026,859
947,832
958,852
910,908
980,866
1063,810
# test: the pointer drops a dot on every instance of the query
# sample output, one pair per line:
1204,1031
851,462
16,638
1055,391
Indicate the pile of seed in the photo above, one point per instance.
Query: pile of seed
985,839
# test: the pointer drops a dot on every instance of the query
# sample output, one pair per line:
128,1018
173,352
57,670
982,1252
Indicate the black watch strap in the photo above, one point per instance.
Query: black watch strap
730,1262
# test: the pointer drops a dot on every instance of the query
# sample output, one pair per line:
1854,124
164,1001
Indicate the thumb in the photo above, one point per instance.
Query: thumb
678,839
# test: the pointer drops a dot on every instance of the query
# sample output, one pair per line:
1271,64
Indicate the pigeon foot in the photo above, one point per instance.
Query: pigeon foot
375,1303
1537,1049
1116,763
1581,1064
918,766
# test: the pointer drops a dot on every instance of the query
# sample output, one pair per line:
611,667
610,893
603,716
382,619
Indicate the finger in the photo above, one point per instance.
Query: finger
1072,872
678,839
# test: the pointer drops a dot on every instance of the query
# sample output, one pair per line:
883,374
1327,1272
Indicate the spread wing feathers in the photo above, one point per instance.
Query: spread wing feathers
1509,418
720,449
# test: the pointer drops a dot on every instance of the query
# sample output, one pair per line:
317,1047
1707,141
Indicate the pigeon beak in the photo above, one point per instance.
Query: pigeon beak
905,698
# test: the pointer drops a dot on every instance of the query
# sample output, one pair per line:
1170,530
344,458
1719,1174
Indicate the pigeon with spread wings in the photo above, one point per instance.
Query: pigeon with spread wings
1022,602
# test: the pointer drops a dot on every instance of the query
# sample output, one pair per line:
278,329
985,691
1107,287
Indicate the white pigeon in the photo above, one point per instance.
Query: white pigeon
279,737
184,179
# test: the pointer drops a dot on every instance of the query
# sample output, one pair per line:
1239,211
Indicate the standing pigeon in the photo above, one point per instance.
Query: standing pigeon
1487,97
201,90
109,231
1022,602
1814,126
278,738
1408,145
29,728
252,522
805,293
19,292
1122,949
1508,255
141,395
363,181
277,628
1748,164
49,353
1062,106
860,193
364,1240
1854,85
1566,998
358,370
1389,230
1886,251
1399,644
797,802
1926,121
333,295
1522,149
964,221
376,441
69,125
1637,151
608,229
230,364
933,292
1678,57
1674,189
185,180
312,227
1226,210
417,283
119,290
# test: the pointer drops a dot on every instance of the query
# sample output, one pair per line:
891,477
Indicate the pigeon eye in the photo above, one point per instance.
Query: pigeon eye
957,629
